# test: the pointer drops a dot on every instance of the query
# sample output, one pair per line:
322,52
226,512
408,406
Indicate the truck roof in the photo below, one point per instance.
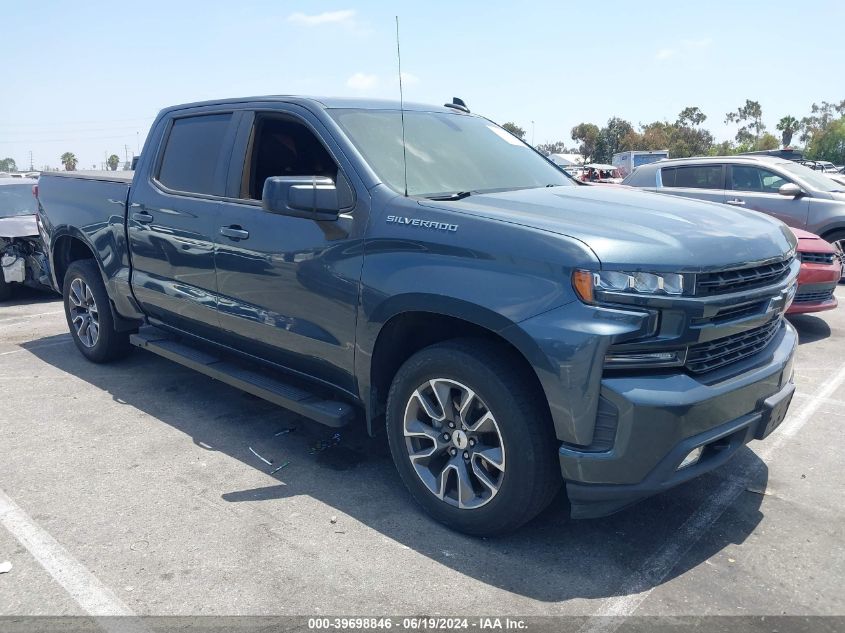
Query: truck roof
325,103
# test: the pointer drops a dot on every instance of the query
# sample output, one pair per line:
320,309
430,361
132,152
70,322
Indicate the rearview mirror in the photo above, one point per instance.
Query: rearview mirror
790,190
312,197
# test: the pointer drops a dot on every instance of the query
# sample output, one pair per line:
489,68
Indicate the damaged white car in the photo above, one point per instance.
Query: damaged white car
22,255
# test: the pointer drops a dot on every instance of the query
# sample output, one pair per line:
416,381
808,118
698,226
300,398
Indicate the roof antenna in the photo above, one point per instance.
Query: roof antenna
402,108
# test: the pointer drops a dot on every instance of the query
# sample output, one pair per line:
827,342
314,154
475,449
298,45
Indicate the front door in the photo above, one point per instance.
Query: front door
173,220
756,188
288,287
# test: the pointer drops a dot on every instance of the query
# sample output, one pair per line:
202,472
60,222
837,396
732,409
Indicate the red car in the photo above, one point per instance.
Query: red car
820,273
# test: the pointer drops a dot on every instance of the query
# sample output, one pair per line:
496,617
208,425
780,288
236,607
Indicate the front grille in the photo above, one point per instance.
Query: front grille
817,258
741,278
813,297
723,351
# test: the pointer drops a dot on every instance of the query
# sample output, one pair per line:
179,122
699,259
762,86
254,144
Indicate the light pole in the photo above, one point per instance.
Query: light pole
532,133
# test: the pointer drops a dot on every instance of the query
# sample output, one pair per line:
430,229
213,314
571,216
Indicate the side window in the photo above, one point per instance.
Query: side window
192,153
697,177
749,178
667,176
283,147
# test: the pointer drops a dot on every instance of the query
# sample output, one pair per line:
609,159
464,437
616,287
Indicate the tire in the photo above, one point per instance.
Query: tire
523,475
837,238
89,316
5,289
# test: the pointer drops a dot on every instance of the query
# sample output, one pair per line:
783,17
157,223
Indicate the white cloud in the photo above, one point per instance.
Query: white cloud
409,80
703,42
683,49
346,16
362,81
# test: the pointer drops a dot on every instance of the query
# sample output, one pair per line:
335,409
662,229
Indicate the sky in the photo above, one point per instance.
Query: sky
89,77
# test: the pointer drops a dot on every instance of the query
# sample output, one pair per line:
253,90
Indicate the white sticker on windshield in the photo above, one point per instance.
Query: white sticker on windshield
503,134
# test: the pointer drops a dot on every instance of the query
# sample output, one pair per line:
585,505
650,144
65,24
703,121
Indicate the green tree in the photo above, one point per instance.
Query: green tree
586,135
514,129
113,161
829,143
69,160
750,119
558,147
685,141
765,142
821,116
611,137
691,116
788,126
8,164
725,148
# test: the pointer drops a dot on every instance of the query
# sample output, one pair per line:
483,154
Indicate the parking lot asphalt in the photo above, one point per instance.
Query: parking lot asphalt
133,488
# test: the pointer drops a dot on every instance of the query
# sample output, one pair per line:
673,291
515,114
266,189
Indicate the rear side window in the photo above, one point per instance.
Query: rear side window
192,154
693,177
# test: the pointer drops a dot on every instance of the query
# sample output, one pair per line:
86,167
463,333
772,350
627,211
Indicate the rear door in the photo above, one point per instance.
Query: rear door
173,220
756,188
703,182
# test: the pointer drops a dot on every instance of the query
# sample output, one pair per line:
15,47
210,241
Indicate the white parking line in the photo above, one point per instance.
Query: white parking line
637,587
36,347
23,318
89,593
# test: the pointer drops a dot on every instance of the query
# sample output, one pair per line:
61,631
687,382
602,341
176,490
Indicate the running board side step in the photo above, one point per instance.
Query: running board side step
329,412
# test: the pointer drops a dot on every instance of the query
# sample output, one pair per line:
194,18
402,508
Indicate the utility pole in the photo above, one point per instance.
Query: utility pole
532,133
31,166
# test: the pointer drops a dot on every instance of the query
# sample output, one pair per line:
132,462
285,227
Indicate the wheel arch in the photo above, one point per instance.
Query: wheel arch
407,331
68,248
72,246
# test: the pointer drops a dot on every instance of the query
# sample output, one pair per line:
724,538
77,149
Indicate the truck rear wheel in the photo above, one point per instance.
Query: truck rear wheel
471,438
89,314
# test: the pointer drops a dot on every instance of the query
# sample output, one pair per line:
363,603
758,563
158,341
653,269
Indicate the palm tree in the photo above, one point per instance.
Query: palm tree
789,125
113,161
69,160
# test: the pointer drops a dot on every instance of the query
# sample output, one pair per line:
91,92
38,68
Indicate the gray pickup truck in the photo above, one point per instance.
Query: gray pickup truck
510,330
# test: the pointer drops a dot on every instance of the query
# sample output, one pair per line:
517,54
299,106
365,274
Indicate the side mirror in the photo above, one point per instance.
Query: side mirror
312,197
790,190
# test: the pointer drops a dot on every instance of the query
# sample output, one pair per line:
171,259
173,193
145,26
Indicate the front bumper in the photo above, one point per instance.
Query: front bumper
816,283
660,418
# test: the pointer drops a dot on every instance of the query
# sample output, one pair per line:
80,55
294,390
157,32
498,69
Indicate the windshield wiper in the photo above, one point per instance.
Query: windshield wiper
457,195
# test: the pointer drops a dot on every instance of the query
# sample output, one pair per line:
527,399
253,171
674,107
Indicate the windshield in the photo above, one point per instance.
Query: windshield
817,180
446,153
16,200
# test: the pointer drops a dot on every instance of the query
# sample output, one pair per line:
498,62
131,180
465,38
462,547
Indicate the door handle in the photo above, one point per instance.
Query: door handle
234,232
143,217
736,201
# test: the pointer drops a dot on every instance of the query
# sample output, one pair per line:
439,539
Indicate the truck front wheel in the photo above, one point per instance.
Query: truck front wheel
89,315
471,438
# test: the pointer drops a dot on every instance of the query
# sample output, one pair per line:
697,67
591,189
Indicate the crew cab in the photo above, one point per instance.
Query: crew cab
422,271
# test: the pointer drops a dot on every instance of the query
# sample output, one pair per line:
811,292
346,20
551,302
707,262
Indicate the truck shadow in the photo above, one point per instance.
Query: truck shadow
551,559
810,328
24,295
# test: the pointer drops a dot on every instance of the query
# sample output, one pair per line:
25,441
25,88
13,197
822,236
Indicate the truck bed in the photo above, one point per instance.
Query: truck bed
112,176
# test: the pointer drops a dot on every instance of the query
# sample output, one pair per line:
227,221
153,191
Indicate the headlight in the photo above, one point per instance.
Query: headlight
587,282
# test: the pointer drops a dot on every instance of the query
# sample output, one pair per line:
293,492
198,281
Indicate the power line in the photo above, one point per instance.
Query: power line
65,124
64,140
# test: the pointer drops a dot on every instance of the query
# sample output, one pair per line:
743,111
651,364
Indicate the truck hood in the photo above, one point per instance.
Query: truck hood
638,230
19,226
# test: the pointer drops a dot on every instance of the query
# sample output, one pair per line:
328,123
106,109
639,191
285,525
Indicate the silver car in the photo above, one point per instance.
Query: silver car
799,196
